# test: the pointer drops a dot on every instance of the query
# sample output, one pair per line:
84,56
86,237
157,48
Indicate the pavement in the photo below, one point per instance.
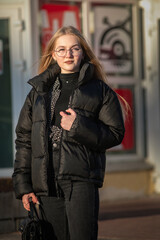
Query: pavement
136,219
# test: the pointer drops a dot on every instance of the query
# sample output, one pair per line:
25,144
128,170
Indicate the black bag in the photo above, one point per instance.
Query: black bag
33,228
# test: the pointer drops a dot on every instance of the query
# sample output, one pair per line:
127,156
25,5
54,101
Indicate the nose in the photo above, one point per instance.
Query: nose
69,53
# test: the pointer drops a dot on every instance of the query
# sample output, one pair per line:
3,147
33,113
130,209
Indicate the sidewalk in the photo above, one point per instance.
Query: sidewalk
130,220
137,219
10,236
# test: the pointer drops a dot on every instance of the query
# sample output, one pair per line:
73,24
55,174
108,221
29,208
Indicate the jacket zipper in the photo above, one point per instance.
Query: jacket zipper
60,144
70,100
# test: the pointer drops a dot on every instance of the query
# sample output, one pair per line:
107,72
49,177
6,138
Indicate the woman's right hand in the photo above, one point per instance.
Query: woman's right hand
25,200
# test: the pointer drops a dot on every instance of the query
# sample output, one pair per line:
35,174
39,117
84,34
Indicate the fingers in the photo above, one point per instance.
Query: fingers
34,199
26,206
25,200
63,114
67,119
71,111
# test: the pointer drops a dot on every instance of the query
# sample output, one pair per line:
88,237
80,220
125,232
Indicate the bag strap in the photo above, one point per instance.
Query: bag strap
32,210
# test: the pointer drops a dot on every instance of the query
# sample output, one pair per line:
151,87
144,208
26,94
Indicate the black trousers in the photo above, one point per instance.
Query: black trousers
74,215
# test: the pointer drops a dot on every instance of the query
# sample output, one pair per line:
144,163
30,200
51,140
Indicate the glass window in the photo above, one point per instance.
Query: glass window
5,97
58,14
112,38
128,144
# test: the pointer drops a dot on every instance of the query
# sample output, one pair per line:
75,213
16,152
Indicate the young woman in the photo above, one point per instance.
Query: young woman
69,119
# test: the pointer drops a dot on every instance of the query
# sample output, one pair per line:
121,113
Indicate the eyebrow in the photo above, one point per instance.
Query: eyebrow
70,47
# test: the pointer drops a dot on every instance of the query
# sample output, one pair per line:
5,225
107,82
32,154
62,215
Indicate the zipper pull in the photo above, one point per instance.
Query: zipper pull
57,188
69,104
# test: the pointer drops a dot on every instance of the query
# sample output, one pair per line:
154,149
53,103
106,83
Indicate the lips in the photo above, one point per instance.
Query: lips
69,62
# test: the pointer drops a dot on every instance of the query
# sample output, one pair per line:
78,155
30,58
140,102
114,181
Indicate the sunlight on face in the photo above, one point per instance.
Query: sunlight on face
68,53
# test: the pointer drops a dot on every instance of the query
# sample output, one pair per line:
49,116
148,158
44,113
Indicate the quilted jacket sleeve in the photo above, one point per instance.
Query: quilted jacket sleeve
107,131
22,168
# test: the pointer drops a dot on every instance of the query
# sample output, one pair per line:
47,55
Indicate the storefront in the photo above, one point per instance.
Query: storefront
118,31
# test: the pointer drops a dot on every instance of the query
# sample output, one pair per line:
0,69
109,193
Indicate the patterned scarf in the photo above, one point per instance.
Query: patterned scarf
54,131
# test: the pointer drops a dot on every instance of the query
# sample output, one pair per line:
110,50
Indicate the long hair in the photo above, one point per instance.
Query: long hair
47,59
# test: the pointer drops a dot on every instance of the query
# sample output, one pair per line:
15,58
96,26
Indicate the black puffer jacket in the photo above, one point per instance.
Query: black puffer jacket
99,126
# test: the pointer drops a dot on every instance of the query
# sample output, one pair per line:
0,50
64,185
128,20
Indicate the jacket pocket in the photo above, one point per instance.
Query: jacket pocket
74,160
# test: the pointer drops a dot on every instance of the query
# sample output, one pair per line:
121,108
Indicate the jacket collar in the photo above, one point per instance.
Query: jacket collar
86,73
44,81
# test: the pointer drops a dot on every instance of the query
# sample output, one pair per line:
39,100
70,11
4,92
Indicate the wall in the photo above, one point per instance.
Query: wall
152,83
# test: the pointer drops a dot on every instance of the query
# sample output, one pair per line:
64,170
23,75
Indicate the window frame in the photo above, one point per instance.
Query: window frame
122,80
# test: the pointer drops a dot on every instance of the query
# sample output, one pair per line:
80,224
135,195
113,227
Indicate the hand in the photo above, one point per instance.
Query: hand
25,200
67,120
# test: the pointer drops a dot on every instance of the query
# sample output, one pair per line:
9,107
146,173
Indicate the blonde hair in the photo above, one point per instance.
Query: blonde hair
47,59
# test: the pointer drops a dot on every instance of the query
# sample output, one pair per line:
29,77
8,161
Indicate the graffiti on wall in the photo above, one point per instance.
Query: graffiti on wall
113,39
55,16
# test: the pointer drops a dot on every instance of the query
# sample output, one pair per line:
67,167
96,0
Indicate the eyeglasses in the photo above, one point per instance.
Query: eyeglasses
61,52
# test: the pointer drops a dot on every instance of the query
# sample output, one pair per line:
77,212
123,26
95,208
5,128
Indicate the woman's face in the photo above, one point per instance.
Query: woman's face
68,53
